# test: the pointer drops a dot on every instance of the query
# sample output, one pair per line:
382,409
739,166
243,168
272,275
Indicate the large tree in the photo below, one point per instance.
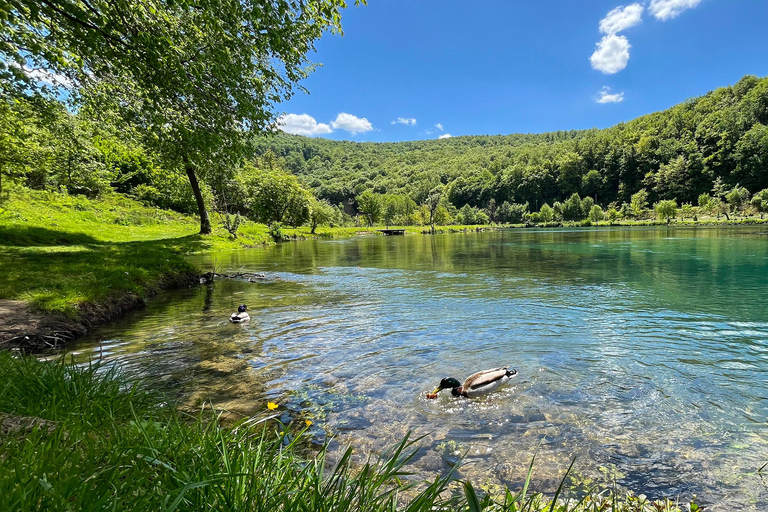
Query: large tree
195,75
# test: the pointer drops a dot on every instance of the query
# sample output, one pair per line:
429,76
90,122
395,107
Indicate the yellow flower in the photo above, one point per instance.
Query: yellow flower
271,406
309,423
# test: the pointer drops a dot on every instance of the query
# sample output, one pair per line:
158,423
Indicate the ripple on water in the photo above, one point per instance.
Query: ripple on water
642,354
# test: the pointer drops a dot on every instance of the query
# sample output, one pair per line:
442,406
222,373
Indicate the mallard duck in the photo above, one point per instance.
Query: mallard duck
241,316
477,384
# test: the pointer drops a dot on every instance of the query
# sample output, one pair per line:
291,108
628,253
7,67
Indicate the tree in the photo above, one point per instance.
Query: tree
666,209
276,196
596,214
370,204
546,213
321,214
432,203
639,202
391,209
572,209
719,189
467,215
760,202
195,85
737,198
704,201
591,183
12,141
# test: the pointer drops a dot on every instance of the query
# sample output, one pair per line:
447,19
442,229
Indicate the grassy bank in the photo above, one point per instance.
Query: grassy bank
78,262
88,439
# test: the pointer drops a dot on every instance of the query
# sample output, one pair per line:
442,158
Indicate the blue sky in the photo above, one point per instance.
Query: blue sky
420,69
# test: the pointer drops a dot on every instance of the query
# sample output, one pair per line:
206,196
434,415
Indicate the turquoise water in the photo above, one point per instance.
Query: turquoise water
642,352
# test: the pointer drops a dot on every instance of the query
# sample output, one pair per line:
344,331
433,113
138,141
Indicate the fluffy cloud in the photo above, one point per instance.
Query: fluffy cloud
445,136
611,54
352,124
408,121
622,18
605,96
302,124
667,9
439,126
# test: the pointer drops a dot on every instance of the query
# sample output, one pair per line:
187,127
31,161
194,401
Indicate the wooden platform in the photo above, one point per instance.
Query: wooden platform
390,232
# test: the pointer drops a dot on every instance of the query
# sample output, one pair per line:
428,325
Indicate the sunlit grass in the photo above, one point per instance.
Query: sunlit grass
63,253
102,442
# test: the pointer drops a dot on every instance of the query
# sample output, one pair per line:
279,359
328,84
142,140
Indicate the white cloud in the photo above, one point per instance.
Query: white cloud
611,54
445,136
605,96
667,9
439,126
622,18
408,121
352,124
44,76
302,124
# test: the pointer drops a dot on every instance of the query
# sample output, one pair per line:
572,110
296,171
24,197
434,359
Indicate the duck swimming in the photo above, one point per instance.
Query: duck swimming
477,384
241,316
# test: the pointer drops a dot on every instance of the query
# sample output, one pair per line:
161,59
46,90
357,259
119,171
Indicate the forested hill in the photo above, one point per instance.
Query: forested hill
675,154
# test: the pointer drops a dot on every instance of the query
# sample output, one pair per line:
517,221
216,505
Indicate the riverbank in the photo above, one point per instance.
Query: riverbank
70,263
87,438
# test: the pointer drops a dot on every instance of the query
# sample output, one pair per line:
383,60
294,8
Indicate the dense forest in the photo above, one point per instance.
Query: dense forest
707,155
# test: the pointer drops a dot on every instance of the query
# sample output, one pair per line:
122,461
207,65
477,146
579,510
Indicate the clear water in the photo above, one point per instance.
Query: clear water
642,352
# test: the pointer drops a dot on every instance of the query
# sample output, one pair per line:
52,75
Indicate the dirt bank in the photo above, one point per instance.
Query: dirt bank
22,328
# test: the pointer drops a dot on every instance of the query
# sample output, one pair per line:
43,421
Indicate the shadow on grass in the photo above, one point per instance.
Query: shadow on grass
55,280
29,236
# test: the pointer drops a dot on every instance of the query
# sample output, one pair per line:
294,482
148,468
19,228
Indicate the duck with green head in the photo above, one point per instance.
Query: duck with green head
477,384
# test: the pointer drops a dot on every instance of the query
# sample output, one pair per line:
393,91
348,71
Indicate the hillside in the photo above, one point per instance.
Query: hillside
675,154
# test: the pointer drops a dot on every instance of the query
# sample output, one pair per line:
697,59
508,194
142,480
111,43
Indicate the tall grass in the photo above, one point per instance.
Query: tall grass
107,445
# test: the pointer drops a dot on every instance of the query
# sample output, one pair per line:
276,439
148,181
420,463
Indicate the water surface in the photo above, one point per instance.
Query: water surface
642,352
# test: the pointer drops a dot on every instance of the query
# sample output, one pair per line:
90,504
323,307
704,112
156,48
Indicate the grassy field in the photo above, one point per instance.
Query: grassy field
85,438
61,253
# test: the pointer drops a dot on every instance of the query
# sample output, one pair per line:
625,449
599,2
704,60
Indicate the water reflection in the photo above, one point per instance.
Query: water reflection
643,352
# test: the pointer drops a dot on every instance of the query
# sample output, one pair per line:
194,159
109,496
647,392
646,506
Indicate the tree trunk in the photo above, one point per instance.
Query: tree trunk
205,221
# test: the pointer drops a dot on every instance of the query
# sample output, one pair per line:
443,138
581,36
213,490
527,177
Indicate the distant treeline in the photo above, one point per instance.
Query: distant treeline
678,154
707,155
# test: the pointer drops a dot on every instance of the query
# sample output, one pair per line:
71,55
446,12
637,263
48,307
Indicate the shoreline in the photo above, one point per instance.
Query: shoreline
26,330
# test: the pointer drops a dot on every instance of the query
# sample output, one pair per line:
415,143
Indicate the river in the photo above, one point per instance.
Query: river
641,352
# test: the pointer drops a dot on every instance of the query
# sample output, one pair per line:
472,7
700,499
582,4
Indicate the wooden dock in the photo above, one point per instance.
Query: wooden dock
390,232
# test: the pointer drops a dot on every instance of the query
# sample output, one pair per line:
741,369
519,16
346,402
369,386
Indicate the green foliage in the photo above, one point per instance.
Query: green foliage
178,70
639,202
666,209
370,205
572,208
466,215
676,154
322,214
596,214
512,213
760,202
276,196
546,213
737,198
